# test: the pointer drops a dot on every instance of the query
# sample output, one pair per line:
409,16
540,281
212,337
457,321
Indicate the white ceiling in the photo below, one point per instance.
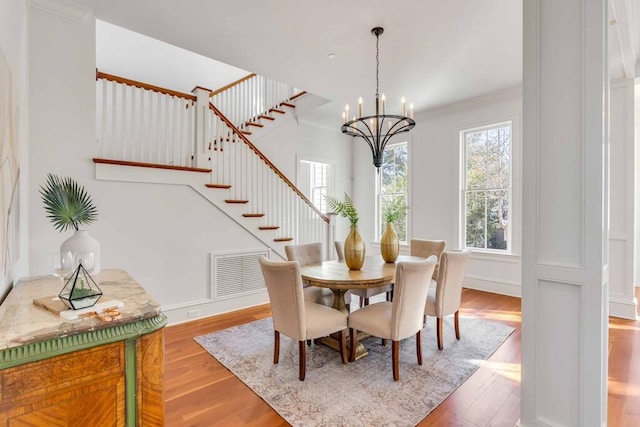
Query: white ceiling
433,52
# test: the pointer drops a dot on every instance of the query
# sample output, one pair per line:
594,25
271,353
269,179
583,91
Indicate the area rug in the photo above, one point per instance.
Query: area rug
361,393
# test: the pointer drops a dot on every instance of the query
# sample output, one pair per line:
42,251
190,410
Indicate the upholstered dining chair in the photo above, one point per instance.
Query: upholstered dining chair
293,316
311,253
364,293
444,299
426,248
400,318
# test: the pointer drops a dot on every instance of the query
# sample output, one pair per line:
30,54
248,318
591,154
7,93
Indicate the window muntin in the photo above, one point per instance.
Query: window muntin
487,187
315,180
392,184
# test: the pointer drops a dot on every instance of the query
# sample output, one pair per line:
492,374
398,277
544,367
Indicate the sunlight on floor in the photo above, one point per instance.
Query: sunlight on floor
624,388
508,370
511,316
624,327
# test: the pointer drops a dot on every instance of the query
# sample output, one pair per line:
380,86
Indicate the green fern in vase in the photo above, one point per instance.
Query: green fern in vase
344,208
391,212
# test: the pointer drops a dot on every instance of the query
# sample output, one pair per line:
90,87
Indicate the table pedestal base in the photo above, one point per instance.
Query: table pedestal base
333,342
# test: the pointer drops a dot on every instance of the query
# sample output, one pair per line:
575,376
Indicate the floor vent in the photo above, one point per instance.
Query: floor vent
237,274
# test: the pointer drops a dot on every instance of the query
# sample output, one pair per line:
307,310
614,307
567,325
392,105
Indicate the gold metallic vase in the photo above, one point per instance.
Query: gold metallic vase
354,250
389,244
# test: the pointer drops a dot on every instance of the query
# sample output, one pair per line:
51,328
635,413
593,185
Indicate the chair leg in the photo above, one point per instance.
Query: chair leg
384,342
439,332
361,302
457,325
343,346
419,347
348,307
353,341
276,347
303,359
309,343
395,350
390,296
366,301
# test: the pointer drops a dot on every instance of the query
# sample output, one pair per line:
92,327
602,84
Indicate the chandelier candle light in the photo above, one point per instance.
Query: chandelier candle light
377,130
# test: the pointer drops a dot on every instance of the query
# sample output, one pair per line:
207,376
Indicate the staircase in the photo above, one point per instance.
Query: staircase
205,135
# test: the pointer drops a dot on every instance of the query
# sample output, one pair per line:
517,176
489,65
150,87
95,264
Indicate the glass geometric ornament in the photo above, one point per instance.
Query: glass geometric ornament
80,290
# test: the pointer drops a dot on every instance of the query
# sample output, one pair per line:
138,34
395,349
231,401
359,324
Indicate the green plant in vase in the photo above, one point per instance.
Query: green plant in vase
389,243
354,248
67,203
68,207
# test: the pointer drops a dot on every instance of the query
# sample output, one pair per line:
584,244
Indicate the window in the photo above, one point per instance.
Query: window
486,187
315,180
393,185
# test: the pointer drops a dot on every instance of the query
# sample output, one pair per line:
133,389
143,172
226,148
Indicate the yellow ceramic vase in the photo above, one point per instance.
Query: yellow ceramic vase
354,250
389,244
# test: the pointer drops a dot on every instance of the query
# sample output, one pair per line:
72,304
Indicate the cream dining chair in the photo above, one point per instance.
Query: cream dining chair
401,318
364,293
293,316
426,248
445,298
311,253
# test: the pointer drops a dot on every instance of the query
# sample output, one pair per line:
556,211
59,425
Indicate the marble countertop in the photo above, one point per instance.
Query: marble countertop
21,322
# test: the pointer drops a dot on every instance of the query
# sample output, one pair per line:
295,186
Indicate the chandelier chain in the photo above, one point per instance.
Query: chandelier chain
377,65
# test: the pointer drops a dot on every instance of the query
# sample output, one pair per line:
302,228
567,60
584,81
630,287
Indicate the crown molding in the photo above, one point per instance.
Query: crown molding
62,10
478,101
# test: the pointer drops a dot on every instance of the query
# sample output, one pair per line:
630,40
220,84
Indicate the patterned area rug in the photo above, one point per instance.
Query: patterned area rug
362,393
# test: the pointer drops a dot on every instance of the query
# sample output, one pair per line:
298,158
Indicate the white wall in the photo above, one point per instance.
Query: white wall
13,43
285,143
161,234
434,181
622,301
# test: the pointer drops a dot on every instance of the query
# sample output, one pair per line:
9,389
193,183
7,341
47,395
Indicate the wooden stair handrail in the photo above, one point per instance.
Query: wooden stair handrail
230,85
129,82
267,161
149,165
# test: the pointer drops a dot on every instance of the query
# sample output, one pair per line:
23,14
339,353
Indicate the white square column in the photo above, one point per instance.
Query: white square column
565,213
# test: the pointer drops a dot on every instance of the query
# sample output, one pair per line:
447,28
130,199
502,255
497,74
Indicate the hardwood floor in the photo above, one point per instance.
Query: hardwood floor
199,391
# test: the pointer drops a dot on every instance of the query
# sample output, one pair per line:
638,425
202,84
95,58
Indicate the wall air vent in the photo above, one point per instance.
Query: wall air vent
236,274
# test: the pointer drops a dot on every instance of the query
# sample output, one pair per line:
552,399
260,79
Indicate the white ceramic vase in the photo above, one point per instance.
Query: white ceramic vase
82,246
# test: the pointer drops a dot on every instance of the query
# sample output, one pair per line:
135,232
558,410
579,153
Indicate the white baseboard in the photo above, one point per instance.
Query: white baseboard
625,309
511,289
186,312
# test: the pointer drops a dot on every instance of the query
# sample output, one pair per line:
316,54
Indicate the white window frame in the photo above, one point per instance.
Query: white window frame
332,184
378,214
514,227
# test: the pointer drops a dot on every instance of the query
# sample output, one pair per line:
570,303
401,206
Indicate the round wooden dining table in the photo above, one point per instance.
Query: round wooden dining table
335,275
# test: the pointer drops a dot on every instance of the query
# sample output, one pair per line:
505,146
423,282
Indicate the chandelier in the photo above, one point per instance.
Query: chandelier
378,129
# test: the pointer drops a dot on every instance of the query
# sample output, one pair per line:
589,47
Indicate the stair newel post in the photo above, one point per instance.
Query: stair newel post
330,238
202,126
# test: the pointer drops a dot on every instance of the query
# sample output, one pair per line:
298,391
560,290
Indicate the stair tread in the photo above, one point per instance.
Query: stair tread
253,215
255,124
275,110
246,132
265,117
286,104
283,239
298,95
268,227
224,186
236,201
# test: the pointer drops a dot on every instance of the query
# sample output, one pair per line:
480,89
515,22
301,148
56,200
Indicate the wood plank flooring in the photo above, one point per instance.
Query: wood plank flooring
199,391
